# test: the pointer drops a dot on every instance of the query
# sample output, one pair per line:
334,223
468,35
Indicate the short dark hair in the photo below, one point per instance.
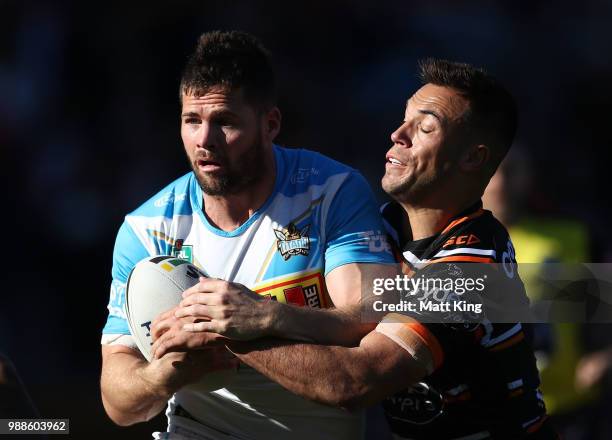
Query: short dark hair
492,117
232,60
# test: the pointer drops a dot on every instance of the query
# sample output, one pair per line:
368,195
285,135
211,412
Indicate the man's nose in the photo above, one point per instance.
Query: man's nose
206,137
401,136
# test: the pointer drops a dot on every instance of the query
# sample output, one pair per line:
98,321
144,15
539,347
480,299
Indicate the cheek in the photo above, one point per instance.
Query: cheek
188,139
184,134
433,155
239,136
240,141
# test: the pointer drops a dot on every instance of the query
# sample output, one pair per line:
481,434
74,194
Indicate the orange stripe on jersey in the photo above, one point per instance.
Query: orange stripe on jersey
462,219
464,258
508,342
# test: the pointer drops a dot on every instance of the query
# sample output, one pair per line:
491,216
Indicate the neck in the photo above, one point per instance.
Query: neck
428,219
228,212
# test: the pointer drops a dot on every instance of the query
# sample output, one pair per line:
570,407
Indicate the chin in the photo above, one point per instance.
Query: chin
211,187
392,185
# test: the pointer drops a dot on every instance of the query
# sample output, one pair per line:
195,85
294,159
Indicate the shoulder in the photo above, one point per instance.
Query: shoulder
301,157
305,173
480,236
174,199
143,228
303,167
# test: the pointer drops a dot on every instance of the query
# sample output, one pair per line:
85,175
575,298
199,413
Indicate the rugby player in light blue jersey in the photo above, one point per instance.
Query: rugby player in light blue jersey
440,373
278,224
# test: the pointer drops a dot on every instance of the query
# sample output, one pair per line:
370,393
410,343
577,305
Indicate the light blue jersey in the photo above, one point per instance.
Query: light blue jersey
321,215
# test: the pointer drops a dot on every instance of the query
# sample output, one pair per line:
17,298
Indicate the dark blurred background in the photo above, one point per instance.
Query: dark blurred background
89,129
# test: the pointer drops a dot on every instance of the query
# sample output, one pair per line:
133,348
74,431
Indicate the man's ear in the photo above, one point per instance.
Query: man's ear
271,123
475,158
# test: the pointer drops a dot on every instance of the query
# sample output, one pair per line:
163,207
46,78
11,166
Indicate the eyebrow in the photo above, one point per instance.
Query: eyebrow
428,112
432,113
214,113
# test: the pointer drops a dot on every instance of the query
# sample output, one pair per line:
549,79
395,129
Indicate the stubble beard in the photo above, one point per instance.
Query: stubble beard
407,190
244,173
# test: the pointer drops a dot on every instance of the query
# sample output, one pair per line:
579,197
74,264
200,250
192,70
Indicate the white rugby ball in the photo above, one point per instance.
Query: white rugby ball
155,285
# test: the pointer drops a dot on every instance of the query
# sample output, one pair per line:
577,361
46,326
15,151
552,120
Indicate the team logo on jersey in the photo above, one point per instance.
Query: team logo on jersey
182,251
292,241
420,404
461,240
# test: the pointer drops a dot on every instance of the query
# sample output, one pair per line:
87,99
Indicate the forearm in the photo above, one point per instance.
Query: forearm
128,394
338,376
333,326
350,288
332,375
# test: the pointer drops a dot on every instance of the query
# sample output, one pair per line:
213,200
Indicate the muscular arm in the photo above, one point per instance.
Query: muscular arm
134,390
350,288
128,391
338,376
234,311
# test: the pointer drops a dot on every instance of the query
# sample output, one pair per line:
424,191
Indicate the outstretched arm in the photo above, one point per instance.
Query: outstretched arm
339,376
397,354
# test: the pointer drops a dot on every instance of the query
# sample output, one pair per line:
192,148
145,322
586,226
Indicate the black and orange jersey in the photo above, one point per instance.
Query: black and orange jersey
484,381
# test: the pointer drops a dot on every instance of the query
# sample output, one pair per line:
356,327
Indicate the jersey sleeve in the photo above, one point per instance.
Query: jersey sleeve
354,228
128,251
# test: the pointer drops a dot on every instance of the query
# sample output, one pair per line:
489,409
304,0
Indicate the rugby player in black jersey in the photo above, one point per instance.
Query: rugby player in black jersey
451,379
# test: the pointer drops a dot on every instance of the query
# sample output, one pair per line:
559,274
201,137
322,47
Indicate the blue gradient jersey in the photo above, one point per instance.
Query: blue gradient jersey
320,215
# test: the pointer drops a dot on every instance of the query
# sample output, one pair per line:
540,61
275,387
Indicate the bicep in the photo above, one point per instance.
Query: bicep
348,284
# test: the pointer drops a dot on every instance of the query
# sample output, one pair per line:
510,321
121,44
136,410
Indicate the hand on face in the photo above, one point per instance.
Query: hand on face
229,309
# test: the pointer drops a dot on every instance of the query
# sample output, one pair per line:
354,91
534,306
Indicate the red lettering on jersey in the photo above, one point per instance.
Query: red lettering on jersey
462,239
473,239
449,242
295,295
